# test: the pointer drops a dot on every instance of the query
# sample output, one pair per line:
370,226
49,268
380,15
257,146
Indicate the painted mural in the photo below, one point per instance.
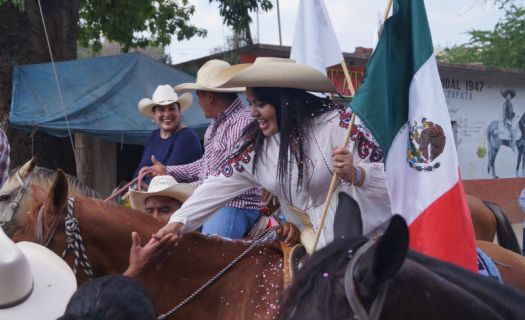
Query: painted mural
488,118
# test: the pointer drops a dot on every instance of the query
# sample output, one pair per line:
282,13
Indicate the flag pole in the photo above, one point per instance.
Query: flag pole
334,181
345,142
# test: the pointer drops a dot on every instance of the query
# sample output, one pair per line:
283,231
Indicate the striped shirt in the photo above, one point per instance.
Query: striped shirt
4,157
220,140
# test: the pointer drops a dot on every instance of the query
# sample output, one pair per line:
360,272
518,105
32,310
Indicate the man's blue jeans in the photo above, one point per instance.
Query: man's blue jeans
231,222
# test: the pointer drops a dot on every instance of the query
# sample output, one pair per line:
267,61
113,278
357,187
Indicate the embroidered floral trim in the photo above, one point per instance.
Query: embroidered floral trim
236,160
366,146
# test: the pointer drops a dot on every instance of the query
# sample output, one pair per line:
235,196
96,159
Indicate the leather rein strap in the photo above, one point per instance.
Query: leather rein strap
351,290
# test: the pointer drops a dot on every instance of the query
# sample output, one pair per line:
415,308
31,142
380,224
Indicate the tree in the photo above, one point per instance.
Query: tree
134,23
236,14
501,47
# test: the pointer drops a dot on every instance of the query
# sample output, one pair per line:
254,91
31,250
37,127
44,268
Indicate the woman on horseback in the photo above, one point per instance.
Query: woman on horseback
292,149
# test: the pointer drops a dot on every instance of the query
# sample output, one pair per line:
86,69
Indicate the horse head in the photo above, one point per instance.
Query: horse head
356,277
372,264
16,196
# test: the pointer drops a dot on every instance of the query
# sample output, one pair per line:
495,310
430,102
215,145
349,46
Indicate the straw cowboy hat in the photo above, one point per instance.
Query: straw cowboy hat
161,186
205,76
276,73
164,95
35,283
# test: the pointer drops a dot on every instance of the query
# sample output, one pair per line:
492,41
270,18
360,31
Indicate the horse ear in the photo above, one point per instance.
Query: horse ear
347,222
57,196
384,258
27,168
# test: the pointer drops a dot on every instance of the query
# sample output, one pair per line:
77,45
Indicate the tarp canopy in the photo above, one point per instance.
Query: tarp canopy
100,97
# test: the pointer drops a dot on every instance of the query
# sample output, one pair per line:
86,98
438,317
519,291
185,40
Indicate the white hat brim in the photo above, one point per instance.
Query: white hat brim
146,105
194,86
53,285
274,74
180,192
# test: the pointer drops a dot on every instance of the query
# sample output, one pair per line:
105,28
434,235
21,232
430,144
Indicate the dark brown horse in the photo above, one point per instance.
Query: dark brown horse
249,290
358,278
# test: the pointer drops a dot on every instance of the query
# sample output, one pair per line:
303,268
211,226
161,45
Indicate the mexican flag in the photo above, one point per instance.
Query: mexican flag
401,101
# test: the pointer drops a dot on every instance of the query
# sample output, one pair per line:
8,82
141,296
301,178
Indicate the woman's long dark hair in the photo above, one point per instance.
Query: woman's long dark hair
295,109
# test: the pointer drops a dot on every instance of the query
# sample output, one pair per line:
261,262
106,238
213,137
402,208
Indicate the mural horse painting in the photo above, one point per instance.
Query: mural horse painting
498,135
249,289
16,195
359,278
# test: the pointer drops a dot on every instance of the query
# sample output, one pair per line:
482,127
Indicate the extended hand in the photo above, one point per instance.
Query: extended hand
173,228
157,169
289,233
145,257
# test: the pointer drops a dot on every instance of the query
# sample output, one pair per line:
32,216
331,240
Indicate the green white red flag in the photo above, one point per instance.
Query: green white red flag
401,101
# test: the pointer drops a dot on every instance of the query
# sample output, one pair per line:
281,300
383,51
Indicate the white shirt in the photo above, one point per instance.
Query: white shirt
327,133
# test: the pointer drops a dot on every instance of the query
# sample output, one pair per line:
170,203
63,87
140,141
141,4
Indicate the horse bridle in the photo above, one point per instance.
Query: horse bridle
74,239
7,215
351,290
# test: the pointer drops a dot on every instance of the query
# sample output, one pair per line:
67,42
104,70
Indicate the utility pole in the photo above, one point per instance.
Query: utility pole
279,23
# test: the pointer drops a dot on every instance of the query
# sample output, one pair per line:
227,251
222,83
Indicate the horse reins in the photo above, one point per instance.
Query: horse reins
74,239
357,307
255,242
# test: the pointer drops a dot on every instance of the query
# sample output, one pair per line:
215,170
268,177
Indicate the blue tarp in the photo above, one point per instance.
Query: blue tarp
100,97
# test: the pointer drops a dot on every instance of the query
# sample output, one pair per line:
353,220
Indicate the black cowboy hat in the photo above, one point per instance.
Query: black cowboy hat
506,92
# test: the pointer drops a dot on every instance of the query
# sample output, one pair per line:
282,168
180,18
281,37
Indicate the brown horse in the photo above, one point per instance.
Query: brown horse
249,290
489,221
16,195
357,278
511,265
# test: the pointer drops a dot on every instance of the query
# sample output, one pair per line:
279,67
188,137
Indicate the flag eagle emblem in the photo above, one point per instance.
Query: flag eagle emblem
426,142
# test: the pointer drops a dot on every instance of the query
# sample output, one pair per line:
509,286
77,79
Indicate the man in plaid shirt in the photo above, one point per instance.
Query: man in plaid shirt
230,116
4,157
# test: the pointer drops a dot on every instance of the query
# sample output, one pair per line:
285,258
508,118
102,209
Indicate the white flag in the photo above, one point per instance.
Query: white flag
314,42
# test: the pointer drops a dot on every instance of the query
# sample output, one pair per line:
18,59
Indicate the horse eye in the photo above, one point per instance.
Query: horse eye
4,197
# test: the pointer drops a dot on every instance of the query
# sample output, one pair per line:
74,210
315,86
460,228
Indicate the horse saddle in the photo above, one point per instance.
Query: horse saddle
292,257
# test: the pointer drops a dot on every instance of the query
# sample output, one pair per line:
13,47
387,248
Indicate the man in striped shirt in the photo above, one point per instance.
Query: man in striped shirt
230,116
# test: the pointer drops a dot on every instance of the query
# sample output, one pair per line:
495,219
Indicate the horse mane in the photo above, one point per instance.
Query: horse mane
49,176
506,236
330,262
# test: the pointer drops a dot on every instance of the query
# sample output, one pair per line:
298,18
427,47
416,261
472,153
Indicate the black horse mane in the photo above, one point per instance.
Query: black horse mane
331,262
50,175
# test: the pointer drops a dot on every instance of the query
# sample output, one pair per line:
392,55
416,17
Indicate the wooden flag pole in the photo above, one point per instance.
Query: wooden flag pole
334,181
345,142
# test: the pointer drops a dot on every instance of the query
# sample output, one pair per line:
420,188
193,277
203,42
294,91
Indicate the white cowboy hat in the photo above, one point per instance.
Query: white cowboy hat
205,75
35,283
164,95
276,73
161,186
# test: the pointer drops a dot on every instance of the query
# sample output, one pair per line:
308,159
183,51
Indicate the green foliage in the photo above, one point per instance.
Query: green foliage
135,23
17,3
502,47
236,14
